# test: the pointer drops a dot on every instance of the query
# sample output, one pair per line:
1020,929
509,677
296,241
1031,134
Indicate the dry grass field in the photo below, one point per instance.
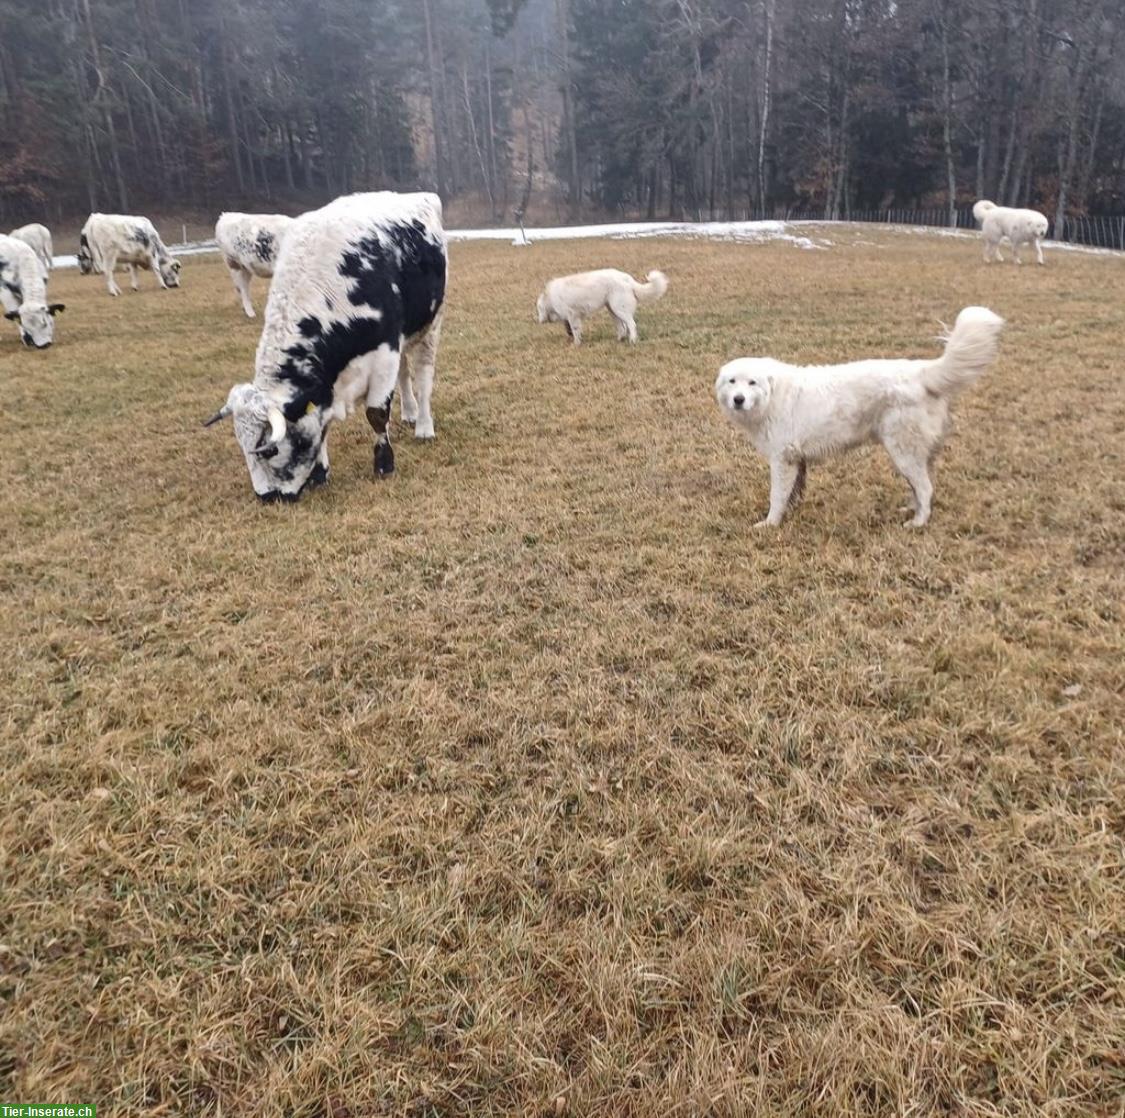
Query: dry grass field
532,781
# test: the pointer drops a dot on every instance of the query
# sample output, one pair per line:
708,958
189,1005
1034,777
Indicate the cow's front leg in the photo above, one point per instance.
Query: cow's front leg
110,268
319,475
382,377
240,277
134,279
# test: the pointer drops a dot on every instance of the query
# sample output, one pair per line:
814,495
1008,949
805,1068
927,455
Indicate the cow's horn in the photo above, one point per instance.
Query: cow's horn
222,413
277,424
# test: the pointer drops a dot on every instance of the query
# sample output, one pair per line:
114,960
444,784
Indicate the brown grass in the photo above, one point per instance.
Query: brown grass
532,781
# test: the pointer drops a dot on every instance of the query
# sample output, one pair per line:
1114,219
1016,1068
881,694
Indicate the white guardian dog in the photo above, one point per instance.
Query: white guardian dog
799,414
571,299
1021,227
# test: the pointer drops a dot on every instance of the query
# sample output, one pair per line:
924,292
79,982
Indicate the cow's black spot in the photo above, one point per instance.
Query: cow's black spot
310,327
264,245
140,236
301,448
15,289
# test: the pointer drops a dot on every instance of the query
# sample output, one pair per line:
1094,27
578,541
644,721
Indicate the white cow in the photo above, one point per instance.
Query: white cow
38,238
360,286
1019,226
250,244
23,293
111,239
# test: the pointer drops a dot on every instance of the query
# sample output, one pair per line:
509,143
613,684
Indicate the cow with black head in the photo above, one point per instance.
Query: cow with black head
108,240
23,293
354,310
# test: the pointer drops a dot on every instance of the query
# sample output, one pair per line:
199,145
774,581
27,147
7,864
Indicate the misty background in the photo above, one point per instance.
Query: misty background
570,109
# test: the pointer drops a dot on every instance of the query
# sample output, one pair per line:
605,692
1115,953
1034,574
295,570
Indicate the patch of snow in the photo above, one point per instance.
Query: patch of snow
192,248
742,232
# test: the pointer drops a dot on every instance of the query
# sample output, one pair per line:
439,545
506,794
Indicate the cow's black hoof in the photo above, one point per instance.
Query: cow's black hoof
384,460
318,477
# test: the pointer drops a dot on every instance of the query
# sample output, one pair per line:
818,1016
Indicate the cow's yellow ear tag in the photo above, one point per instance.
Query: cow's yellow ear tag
311,408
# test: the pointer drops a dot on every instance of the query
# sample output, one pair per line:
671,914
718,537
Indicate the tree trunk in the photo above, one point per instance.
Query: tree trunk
107,110
435,103
942,14
574,186
768,11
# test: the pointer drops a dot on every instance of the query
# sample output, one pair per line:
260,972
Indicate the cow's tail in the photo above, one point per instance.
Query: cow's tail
655,288
970,347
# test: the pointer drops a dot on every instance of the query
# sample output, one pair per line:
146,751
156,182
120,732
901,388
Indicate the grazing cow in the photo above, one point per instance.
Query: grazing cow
23,293
38,239
1019,226
359,286
111,239
250,244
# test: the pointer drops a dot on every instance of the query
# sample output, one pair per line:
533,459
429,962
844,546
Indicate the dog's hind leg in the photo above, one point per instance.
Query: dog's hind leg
574,328
785,478
623,306
798,490
914,467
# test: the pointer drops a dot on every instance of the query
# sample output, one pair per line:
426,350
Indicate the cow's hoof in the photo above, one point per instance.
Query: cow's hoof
318,477
424,430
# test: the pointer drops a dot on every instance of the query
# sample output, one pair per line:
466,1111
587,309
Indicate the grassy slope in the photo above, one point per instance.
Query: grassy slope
533,780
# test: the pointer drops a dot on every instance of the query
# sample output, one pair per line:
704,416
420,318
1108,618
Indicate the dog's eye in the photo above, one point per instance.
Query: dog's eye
732,380
752,383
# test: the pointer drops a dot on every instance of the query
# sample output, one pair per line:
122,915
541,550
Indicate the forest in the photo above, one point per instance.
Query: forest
565,109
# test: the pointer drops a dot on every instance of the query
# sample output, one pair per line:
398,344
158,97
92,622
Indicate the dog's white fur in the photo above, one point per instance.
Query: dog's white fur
795,415
571,299
1019,226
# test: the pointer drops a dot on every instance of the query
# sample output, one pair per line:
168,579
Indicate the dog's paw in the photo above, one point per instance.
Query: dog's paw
767,523
914,522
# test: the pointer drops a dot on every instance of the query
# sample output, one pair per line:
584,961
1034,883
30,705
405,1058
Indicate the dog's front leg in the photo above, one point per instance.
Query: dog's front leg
783,480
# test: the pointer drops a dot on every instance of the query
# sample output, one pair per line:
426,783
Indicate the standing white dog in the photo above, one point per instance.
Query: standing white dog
795,415
571,299
1019,226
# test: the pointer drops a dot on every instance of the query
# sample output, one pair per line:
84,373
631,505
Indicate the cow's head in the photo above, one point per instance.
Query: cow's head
37,323
85,257
283,456
170,271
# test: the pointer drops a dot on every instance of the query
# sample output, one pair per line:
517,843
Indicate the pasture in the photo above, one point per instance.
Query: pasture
532,780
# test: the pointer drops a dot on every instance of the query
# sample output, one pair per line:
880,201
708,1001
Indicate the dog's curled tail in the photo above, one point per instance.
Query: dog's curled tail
970,347
655,288
982,209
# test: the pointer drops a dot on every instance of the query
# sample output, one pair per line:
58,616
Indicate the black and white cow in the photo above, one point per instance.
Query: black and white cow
359,287
23,293
250,244
111,239
38,238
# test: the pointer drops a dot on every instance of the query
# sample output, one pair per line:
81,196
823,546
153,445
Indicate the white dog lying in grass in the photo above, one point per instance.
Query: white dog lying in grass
795,415
1021,227
570,299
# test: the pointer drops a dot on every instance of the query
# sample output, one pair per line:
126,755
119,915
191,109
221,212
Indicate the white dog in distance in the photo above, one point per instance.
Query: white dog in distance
795,415
1019,226
570,299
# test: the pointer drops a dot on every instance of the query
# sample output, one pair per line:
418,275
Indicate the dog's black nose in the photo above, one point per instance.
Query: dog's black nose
738,401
